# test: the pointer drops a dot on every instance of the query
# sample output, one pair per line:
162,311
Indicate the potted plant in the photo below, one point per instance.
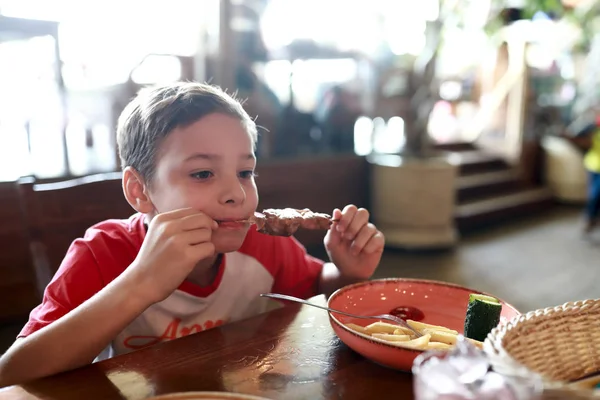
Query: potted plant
413,191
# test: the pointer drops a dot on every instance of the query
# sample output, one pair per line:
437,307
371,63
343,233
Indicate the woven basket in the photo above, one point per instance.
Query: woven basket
561,344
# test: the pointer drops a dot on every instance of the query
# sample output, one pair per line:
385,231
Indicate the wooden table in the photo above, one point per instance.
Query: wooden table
290,353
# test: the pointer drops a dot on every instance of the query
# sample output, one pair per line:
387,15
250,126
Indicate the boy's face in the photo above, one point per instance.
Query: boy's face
209,166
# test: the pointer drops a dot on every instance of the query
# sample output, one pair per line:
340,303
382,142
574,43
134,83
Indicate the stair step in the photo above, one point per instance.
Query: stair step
479,213
485,184
455,146
486,205
476,161
483,178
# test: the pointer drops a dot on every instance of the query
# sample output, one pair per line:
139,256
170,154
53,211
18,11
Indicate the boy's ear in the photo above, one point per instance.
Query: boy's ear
136,191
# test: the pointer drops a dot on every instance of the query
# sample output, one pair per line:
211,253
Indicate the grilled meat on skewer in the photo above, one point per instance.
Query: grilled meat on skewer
285,222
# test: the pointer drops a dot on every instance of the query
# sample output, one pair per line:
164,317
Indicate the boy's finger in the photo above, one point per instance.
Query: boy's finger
362,239
360,220
200,251
197,221
196,236
375,244
176,214
346,217
333,238
337,214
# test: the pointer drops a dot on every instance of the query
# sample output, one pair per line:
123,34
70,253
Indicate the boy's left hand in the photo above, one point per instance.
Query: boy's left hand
353,244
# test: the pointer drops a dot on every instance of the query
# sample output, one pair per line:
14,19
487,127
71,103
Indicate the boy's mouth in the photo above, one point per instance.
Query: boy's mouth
233,223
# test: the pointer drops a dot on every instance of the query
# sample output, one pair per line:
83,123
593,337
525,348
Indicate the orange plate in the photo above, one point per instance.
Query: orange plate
442,303
206,396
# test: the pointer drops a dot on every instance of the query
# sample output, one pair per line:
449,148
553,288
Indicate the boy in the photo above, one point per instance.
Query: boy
584,132
592,164
181,264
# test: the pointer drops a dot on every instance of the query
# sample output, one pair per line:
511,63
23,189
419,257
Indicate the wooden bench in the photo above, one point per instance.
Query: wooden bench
57,213
18,294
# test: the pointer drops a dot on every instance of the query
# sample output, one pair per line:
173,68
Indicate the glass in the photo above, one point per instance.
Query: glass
464,373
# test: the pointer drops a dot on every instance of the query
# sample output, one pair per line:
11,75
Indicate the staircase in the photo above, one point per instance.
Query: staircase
489,191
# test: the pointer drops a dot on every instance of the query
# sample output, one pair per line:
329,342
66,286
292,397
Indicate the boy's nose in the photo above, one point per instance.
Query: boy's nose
233,193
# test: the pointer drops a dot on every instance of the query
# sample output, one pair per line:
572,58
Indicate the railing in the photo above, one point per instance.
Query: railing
510,87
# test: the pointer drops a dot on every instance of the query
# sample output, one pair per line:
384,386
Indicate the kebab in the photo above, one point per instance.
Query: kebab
285,222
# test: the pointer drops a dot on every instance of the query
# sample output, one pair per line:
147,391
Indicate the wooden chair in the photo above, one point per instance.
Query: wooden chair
18,294
57,213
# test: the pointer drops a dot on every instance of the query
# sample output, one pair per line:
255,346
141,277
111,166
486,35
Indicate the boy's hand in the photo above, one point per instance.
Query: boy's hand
354,245
175,242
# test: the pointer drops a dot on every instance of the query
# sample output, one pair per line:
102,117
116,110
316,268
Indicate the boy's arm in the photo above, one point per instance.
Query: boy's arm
331,279
91,321
354,246
75,339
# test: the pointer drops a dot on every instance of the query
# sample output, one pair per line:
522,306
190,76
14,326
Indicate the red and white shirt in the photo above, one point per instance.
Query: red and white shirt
262,264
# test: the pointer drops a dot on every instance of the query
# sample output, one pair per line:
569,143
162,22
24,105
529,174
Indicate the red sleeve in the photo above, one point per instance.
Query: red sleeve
77,279
297,273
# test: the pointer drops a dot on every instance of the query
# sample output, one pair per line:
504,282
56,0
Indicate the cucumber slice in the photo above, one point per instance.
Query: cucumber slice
482,316
473,297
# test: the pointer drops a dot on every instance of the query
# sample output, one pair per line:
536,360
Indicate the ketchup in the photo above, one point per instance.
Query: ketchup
408,312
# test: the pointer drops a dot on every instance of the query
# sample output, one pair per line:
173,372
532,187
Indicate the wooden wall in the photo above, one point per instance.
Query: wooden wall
320,184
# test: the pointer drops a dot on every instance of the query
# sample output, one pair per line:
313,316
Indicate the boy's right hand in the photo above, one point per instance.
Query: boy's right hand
175,242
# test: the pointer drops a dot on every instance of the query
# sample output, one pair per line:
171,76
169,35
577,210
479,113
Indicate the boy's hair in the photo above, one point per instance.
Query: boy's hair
155,112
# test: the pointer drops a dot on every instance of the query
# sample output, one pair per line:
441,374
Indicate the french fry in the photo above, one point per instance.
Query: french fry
391,338
441,336
381,327
434,336
357,328
416,344
438,346
476,342
403,331
419,326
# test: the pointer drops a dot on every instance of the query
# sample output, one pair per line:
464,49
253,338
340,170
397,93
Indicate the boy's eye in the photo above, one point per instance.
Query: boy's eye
247,174
201,175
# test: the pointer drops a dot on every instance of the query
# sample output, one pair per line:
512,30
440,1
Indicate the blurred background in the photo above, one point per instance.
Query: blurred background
444,117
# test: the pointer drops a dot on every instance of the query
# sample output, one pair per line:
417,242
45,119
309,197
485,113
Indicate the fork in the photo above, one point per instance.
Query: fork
387,317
